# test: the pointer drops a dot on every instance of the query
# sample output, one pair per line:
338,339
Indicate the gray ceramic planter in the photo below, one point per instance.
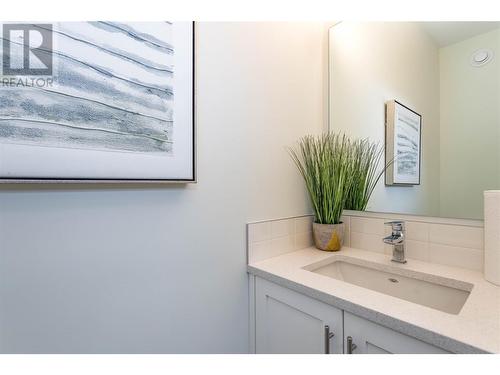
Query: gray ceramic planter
328,237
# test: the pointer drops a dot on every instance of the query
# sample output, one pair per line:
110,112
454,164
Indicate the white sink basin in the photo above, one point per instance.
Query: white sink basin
428,290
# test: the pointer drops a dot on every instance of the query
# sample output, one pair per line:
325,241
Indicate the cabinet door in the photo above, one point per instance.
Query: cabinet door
289,322
372,338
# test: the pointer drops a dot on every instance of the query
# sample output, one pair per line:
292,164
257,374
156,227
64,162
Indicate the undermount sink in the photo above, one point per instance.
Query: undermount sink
434,294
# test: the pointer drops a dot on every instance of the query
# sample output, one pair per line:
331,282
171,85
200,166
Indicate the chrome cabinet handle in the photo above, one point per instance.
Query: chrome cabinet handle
328,336
350,345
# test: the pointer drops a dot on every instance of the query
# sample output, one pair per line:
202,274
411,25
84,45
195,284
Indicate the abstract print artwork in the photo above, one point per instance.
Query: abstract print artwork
403,144
97,101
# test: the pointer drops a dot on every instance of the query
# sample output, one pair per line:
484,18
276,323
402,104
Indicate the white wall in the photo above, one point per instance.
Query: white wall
162,269
372,63
470,126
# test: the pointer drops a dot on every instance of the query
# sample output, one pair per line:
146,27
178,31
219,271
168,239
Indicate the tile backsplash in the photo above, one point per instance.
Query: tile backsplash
452,242
267,239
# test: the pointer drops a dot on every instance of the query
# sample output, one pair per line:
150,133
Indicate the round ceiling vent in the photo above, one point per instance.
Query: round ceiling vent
481,57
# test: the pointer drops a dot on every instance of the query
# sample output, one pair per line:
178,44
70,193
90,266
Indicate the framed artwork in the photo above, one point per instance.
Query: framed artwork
97,102
403,138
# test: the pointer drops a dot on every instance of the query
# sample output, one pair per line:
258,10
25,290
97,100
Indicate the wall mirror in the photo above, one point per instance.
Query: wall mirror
448,73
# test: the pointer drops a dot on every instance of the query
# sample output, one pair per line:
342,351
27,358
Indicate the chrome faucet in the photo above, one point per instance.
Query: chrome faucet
397,239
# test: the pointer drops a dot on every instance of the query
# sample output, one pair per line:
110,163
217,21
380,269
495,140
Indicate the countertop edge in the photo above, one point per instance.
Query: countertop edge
425,335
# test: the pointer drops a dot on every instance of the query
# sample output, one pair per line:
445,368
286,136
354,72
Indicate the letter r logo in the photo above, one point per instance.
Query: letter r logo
27,49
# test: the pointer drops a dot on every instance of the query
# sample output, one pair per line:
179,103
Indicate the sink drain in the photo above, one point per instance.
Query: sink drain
393,280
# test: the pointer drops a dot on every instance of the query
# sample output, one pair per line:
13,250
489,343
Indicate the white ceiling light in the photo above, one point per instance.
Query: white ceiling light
481,57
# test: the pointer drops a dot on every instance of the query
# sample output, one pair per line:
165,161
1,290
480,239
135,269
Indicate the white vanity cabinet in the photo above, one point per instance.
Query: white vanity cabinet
290,322
371,338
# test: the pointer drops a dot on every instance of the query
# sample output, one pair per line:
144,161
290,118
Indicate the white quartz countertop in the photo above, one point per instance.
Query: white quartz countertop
475,329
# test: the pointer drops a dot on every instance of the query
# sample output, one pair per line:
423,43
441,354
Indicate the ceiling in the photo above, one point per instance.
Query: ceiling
446,33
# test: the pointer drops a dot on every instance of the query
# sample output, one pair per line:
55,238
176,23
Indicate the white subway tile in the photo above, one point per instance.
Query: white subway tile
456,256
456,235
347,230
367,225
417,231
370,242
388,249
282,228
417,250
281,245
453,245
303,240
303,224
345,219
259,232
258,251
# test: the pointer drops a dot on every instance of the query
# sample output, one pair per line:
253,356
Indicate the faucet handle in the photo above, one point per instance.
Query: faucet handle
397,225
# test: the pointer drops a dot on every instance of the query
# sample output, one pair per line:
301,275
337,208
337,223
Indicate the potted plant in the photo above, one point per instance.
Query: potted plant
325,164
365,159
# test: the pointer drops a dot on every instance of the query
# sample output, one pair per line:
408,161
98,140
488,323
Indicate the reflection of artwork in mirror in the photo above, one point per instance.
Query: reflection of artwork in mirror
448,72
403,129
